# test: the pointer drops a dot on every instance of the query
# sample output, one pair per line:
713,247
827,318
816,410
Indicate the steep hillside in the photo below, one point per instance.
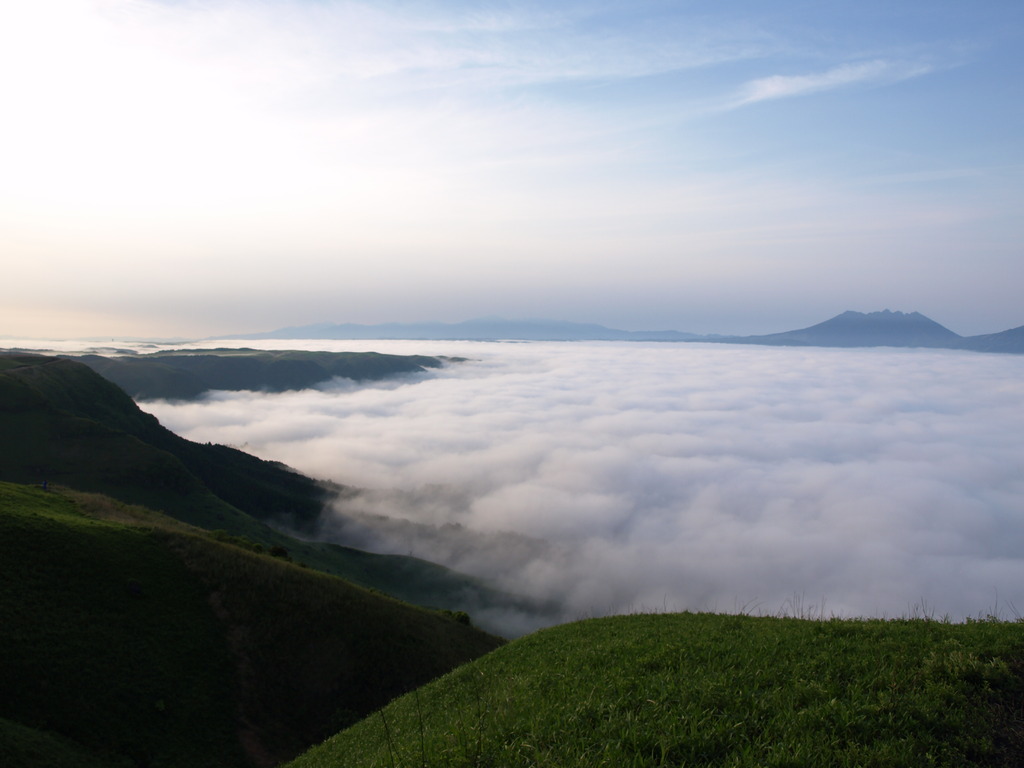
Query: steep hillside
62,423
65,424
150,644
709,690
107,640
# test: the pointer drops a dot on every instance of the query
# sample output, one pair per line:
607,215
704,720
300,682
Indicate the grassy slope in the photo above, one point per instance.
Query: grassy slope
142,642
328,652
712,690
107,638
62,423
31,747
61,387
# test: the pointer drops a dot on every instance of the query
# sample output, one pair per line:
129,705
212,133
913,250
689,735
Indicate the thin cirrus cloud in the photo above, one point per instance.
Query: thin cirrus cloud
524,46
628,477
296,46
323,95
875,72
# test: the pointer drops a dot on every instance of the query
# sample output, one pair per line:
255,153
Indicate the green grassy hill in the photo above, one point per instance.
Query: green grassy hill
129,639
65,424
62,423
712,690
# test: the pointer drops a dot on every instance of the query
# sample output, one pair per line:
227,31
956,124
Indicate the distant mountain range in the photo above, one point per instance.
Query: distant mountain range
850,329
480,329
857,329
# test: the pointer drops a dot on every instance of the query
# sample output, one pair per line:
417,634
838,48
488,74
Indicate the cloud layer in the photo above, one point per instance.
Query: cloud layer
618,477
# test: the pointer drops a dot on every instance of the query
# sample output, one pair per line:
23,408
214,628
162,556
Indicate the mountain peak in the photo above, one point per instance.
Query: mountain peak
884,313
884,328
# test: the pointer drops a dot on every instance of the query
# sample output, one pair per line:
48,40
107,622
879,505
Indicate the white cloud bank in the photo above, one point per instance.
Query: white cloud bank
864,482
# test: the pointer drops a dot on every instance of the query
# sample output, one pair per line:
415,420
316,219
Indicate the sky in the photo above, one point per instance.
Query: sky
187,168
619,477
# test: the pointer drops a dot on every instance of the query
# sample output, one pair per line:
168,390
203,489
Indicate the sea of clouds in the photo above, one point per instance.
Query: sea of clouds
617,477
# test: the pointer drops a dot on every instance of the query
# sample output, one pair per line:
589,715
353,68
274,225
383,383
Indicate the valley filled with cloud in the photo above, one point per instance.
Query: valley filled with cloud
617,477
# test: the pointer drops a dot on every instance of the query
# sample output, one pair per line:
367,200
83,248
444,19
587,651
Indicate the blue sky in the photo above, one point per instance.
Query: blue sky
195,168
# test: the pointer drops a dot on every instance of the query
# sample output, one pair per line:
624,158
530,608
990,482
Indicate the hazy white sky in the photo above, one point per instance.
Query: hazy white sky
193,167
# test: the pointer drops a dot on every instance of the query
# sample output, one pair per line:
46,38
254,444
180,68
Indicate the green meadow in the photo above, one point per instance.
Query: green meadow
712,690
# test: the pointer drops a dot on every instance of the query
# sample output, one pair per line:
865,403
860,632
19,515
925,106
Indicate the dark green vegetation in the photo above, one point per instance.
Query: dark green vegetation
130,639
62,423
107,639
187,374
712,690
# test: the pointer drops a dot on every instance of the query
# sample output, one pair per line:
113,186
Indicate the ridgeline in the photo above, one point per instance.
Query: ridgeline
61,423
184,375
849,329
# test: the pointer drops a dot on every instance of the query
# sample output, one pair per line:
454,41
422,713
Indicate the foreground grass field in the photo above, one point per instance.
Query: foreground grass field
712,690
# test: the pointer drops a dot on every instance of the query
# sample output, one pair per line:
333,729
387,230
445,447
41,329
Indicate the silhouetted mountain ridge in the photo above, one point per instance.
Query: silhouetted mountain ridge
1004,341
886,328
872,329
478,329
